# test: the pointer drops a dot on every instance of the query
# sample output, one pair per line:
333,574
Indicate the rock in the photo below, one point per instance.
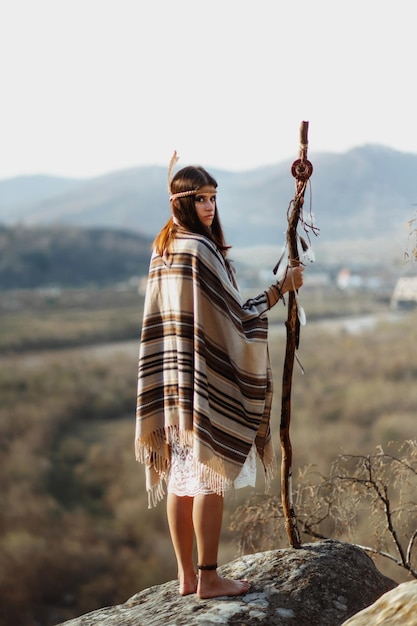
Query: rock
395,608
320,584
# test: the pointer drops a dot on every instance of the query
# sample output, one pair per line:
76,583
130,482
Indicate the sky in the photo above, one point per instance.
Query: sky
93,86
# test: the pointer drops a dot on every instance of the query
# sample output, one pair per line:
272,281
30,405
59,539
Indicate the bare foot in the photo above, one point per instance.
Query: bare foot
188,584
211,585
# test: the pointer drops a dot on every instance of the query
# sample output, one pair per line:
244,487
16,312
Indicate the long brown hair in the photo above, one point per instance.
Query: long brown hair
190,178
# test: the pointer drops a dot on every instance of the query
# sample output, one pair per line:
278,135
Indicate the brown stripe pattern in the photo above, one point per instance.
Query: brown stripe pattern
203,367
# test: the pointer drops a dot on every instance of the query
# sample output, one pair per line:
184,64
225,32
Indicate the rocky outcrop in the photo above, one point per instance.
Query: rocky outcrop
394,608
320,584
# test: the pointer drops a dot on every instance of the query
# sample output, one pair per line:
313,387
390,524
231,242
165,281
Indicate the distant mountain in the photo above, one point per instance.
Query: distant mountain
16,193
364,194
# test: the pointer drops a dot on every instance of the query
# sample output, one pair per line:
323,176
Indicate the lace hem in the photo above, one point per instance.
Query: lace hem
184,479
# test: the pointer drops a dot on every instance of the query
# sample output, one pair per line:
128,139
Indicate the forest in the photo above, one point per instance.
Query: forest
76,533
68,256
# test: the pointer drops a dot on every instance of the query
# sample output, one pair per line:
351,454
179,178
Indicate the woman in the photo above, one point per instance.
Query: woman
204,388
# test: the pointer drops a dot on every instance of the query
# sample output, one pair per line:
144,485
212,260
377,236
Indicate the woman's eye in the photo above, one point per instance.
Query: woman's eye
202,199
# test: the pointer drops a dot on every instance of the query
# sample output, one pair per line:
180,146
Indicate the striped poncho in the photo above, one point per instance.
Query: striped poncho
204,370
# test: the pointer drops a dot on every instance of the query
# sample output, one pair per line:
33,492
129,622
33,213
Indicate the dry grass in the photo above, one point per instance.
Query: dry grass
74,506
45,320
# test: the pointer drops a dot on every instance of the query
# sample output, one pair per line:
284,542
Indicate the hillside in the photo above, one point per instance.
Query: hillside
16,192
69,257
364,194
76,531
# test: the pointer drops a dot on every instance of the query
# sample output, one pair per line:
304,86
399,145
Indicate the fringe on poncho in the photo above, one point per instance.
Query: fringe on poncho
204,372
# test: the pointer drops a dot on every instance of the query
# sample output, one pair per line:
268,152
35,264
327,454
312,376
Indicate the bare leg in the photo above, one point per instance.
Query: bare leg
180,521
207,516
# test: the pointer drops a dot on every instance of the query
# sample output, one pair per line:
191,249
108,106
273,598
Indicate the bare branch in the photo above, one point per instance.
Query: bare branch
334,506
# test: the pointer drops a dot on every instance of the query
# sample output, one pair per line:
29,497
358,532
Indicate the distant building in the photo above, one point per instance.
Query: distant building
346,280
405,293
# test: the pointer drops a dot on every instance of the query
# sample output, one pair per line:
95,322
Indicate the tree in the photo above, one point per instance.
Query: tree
380,487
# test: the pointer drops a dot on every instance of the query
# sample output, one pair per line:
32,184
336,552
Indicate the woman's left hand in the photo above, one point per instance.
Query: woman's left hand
293,279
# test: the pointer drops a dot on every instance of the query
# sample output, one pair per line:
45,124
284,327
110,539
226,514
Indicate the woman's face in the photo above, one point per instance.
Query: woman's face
205,204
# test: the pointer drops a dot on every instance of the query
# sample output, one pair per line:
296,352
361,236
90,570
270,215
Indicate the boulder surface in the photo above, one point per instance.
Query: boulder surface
395,608
319,584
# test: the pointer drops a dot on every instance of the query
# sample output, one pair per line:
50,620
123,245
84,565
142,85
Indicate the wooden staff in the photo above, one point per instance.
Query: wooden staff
301,170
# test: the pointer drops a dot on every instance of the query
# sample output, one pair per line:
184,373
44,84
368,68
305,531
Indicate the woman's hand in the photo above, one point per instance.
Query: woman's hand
293,279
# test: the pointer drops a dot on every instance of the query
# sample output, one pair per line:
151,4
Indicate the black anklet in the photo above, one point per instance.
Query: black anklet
207,568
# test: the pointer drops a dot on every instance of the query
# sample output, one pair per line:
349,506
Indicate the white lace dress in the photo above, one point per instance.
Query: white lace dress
183,480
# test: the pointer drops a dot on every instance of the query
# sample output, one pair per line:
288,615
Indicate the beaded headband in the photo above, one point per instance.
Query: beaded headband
180,194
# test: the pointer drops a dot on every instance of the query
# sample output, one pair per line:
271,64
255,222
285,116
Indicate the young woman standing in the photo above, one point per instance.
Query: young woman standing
205,385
